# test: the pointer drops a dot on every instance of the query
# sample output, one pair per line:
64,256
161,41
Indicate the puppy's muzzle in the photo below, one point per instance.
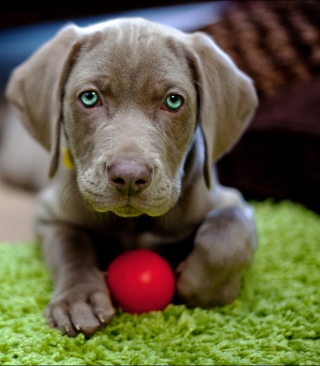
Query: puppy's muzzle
130,177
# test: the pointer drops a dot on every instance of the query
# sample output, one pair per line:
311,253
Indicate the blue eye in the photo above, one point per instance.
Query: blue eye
89,98
173,102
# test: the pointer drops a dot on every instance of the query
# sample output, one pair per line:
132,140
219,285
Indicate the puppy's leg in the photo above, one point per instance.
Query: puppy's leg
223,247
80,302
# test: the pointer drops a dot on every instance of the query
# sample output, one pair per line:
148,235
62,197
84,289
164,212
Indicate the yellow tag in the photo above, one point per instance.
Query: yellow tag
67,160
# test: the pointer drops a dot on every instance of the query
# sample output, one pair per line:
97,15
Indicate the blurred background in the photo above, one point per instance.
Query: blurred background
277,43
24,28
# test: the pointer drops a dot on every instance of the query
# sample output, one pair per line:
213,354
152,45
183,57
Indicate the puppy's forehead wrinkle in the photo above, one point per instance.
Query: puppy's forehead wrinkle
137,33
134,46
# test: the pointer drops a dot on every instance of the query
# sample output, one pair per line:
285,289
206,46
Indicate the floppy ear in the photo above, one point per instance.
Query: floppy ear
227,98
35,89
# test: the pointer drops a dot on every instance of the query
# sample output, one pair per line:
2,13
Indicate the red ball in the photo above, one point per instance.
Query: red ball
140,281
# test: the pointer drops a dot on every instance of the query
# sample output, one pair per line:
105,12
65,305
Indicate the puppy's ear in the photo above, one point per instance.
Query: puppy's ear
35,89
227,98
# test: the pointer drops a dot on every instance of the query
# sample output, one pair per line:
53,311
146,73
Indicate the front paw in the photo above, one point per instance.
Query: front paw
84,308
204,284
223,247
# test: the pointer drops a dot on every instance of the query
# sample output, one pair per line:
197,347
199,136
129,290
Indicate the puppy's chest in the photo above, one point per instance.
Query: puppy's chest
173,245
143,232
146,240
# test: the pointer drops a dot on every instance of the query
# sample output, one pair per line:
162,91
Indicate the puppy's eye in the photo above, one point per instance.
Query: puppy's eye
173,102
89,98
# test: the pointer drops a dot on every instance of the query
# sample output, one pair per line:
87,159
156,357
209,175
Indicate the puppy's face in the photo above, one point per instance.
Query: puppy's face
129,110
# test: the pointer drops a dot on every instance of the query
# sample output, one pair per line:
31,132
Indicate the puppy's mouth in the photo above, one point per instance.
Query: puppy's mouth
151,204
127,211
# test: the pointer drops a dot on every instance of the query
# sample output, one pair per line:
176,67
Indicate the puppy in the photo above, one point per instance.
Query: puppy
145,110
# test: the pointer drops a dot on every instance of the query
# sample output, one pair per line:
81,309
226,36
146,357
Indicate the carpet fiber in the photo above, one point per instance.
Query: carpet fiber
275,320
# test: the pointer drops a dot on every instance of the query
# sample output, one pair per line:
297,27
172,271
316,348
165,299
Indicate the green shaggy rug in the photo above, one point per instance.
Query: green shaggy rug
275,320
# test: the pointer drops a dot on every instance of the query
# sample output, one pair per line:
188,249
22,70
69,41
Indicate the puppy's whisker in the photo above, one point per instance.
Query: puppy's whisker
68,197
197,83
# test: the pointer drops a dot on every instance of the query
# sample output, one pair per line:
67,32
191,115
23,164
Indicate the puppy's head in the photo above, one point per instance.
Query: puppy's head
129,94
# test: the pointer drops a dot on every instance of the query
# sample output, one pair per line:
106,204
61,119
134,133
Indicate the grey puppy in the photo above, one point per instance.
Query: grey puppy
145,111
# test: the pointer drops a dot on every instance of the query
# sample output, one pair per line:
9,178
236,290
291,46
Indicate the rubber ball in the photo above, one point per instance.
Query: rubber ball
140,281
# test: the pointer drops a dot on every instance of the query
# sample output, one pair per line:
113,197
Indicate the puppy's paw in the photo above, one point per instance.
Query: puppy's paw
80,310
223,248
204,284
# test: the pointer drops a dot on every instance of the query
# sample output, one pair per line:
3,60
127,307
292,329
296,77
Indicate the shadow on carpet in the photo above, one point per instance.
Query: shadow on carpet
275,320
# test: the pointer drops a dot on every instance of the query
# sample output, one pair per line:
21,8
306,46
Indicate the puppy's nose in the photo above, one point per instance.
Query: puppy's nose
129,176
